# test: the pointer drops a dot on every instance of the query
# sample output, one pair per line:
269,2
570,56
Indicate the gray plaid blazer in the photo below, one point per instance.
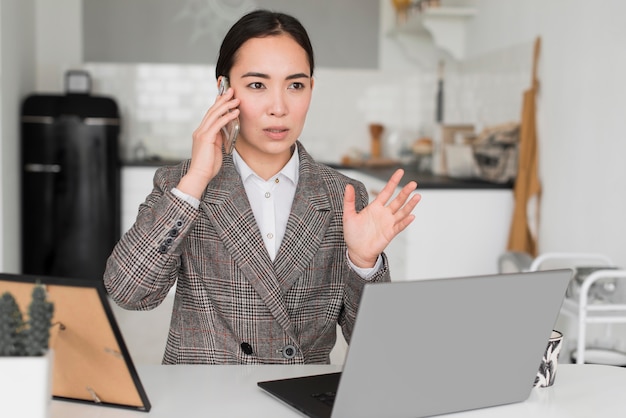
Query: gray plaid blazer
233,305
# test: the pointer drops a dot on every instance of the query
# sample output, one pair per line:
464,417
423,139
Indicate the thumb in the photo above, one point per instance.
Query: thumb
349,206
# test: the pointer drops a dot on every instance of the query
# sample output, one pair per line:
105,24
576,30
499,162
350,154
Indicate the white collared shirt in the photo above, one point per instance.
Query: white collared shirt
271,199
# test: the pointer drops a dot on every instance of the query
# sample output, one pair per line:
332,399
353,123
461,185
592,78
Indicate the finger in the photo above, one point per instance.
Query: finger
406,210
224,118
226,101
403,223
211,124
221,107
228,94
349,201
403,196
214,110
389,189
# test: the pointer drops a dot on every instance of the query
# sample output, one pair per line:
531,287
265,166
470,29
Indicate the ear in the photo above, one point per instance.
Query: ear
312,82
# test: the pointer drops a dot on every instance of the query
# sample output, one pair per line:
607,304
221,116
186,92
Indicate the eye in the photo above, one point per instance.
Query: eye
256,85
297,86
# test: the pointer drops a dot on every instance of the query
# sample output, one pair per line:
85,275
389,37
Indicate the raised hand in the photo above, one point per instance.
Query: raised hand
368,232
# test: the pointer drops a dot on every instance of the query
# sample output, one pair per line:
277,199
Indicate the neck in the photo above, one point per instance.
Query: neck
265,165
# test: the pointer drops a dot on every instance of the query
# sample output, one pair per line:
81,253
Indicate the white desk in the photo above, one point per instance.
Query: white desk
231,391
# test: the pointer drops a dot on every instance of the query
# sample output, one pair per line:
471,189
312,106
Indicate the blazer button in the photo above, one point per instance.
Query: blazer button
163,249
289,351
173,232
246,348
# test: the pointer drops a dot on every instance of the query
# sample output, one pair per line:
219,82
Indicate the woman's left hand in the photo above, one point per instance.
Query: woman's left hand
368,232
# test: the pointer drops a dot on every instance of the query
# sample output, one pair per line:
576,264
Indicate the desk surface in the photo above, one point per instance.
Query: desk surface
231,391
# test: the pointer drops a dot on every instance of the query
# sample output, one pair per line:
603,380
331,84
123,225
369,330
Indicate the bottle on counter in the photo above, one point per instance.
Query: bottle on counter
439,97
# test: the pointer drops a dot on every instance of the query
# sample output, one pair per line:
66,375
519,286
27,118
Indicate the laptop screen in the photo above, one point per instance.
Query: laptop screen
430,347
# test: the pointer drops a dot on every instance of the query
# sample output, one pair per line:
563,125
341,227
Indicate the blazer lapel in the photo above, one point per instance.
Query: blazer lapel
307,224
227,205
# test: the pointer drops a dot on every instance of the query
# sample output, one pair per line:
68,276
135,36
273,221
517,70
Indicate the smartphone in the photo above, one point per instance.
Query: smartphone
231,130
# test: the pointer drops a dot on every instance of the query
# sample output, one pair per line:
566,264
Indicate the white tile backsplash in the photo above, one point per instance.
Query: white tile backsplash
161,104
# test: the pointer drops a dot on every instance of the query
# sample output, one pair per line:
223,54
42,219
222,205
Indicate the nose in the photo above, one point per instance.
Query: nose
278,104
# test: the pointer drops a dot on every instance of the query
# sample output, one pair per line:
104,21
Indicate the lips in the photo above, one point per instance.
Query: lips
276,132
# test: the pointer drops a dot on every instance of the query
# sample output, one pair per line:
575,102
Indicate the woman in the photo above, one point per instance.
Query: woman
268,249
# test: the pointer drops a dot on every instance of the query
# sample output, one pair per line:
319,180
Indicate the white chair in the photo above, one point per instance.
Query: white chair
581,303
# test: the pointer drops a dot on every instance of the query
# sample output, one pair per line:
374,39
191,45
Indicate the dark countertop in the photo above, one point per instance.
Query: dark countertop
424,180
149,162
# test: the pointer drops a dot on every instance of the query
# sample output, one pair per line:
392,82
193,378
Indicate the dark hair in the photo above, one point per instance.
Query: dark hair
260,24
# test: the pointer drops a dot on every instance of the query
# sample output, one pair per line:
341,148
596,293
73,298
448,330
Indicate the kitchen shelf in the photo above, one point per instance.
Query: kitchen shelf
446,25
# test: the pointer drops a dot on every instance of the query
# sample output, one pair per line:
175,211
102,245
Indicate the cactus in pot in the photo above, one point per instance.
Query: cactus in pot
11,326
25,338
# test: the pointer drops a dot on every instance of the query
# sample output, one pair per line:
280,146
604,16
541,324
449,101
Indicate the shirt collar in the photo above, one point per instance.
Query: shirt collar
290,171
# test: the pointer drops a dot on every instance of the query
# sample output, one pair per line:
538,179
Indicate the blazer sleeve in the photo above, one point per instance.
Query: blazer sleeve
355,284
143,265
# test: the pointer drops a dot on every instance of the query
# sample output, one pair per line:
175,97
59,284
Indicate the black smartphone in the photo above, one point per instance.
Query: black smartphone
231,130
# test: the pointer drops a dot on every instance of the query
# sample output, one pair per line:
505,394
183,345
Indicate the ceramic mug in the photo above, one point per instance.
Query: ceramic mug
547,369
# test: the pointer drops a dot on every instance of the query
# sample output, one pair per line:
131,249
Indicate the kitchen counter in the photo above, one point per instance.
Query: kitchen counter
423,179
149,162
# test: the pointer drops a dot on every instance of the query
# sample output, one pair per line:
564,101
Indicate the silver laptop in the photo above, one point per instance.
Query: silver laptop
431,347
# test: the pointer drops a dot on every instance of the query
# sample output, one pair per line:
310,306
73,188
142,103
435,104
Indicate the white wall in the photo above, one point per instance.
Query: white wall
17,76
39,40
581,121
59,44
2,153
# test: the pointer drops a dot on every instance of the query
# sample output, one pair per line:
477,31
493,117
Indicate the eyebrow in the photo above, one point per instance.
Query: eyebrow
266,76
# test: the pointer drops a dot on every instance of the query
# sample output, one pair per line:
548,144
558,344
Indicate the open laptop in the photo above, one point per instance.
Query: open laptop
91,361
431,347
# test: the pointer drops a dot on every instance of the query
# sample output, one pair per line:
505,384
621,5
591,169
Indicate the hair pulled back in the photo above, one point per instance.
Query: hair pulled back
260,24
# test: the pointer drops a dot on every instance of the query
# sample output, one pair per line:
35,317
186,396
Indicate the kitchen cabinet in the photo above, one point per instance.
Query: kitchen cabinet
457,232
136,186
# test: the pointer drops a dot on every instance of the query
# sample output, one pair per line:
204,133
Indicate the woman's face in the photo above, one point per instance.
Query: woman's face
271,77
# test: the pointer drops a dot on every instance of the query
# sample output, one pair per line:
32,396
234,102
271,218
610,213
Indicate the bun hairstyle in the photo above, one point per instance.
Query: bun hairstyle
260,24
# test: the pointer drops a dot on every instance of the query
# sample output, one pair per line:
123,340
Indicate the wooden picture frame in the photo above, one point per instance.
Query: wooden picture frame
91,361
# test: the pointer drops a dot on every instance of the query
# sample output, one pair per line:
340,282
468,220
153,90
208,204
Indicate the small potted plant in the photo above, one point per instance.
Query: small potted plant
25,357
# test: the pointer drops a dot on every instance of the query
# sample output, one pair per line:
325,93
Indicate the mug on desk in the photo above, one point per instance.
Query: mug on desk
547,369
